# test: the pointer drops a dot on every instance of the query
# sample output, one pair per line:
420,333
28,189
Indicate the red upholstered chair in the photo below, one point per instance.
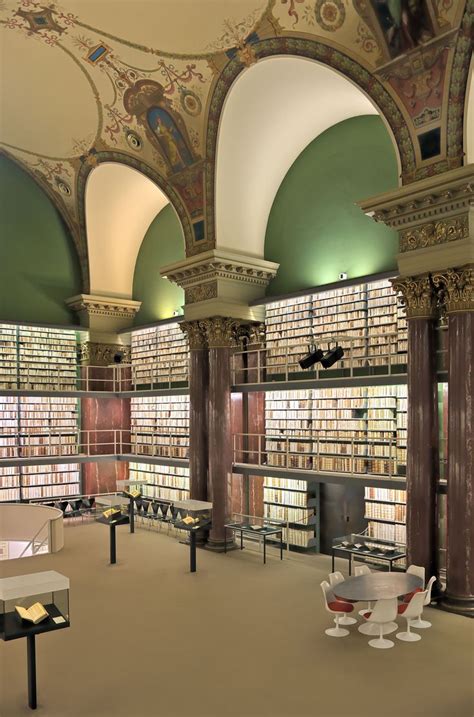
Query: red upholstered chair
384,612
337,608
419,571
410,611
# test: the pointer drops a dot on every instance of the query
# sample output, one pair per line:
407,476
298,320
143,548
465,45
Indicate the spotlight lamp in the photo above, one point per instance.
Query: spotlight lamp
333,355
313,356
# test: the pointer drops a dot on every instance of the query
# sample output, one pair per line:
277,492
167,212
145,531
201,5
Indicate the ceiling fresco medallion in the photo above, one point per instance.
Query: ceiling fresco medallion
164,126
40,19
330,14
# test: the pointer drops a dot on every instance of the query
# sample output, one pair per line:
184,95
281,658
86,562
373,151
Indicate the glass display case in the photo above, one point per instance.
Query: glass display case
252,524
191,514
112,508
34,603
360,546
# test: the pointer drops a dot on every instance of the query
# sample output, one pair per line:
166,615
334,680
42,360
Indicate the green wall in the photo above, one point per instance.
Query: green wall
314,229
163,244
39,268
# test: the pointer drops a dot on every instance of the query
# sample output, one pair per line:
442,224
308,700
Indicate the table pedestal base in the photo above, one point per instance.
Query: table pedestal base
371,628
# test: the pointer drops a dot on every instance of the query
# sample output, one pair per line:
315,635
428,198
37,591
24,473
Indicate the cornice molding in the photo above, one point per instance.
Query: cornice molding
433,233
418,296
94,305
455,289
444,195
220,264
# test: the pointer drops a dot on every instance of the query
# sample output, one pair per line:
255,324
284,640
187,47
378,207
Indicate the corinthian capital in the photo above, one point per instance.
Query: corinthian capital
220,331
194,332
417,296
456,288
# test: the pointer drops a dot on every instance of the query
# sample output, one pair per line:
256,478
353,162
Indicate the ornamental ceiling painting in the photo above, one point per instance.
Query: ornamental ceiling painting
144,83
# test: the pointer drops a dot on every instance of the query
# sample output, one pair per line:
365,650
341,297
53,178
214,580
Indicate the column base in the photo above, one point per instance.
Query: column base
458,605
218,546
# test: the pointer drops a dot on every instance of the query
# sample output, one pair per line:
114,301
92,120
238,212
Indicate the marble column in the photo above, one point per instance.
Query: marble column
105,421
198,409
418,298
221,338
456,287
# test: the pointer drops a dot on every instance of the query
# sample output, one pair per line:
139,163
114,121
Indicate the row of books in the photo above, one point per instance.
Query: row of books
159,354
387,531
386,511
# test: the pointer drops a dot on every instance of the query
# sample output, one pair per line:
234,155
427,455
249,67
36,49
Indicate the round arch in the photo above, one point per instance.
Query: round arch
334,60
98,158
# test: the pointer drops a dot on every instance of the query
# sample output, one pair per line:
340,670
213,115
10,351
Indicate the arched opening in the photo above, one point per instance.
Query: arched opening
120,205
469,118
272,112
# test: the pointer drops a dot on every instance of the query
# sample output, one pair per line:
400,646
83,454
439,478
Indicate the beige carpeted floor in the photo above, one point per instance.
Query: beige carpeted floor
236,638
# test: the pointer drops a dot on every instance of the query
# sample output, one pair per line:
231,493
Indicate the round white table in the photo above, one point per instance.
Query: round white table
377,586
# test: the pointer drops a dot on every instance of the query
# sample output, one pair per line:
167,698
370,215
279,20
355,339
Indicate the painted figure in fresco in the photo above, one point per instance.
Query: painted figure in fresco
405,23
170,138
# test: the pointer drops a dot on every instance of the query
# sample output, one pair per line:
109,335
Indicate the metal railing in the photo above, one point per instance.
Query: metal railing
325,452
363,356
105,441
115,378
37,542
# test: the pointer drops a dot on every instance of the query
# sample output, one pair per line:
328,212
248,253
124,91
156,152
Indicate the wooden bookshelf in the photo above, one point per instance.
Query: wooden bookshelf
385,511
160,356
160,426
297,503
8,356
163,482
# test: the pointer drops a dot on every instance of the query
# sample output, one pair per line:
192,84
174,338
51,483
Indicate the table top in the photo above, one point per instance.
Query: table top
377,586
12,626
245,528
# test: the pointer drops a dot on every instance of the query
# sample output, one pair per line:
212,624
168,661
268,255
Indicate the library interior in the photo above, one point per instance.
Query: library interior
237,358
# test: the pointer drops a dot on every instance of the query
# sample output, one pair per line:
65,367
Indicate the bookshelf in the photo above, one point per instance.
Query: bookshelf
160,356
163,482
297,503
366,317
160,426
385,511
8,356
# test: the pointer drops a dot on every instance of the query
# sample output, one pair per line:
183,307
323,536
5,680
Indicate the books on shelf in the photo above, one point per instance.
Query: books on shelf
160,426
162,482
160,355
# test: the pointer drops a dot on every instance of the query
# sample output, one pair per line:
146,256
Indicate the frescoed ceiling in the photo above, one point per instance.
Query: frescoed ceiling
133,81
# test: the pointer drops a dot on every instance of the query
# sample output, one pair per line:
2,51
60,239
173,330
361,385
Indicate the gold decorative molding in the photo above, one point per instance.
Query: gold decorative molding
418,297
92,353
220,331
195,334
455,289
201,292
431,234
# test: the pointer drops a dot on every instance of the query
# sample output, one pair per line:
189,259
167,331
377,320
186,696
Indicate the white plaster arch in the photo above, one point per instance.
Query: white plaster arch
120,204
273,110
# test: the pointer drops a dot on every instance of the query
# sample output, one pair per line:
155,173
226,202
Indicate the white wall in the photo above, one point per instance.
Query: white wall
273,111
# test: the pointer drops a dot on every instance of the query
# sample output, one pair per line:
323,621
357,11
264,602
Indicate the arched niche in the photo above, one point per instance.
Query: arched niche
120,204
271,113
469,119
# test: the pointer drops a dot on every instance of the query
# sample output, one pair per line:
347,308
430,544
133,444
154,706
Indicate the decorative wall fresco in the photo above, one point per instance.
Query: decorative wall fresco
159,110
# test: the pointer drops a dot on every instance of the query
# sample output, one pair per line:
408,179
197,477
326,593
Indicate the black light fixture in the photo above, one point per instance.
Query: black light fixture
118,357
313,356
333,355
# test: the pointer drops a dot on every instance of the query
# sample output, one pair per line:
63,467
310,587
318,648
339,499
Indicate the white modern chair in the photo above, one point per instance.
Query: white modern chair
363,570
417,570
410,611
337,608
384,611
418,622
335,579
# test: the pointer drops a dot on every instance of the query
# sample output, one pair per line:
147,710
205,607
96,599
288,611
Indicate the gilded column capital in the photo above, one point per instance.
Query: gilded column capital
195,334
455,288
418,297
220,331
92,353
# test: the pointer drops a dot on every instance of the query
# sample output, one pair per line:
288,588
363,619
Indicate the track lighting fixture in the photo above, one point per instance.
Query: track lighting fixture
332,356
313,356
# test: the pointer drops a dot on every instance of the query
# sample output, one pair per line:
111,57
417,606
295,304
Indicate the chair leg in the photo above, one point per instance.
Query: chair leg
420,624
408,636
346,620
381,643
336,631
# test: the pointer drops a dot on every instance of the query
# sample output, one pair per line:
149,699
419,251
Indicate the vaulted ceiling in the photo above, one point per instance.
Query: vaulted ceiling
144,83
